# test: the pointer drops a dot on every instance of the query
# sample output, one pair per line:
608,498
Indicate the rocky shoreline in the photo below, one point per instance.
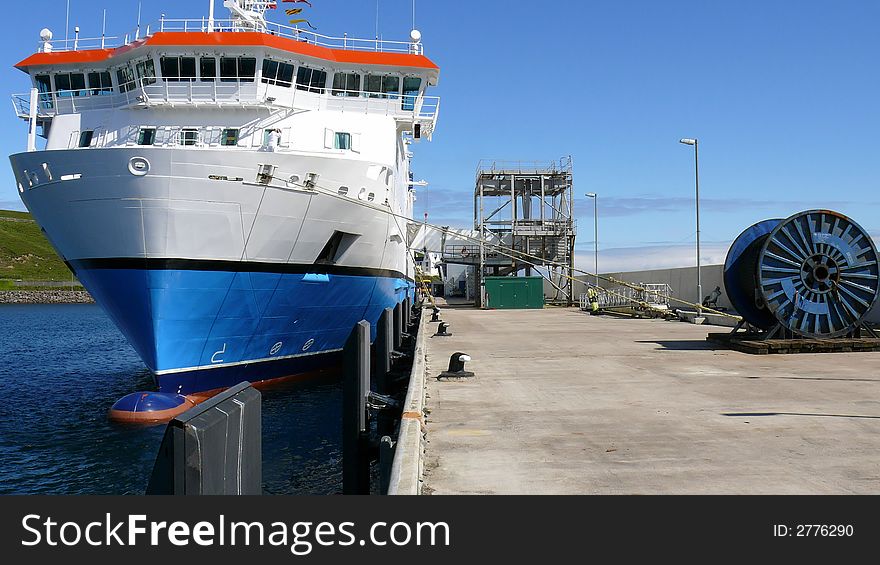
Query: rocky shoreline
45,297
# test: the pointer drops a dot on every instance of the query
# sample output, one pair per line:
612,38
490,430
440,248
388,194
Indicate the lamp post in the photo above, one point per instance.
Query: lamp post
696,146
595,198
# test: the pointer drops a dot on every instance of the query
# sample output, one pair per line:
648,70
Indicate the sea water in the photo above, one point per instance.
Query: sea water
63,366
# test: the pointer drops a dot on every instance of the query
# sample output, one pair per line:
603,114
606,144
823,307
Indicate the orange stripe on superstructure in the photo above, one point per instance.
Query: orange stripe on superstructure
238,39
65,58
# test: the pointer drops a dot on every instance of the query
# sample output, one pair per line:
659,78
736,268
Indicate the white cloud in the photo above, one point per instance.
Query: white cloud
650,257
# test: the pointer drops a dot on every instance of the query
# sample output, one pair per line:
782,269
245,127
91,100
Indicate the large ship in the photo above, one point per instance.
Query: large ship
233,192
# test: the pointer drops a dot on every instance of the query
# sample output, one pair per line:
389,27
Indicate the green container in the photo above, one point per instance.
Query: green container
514,292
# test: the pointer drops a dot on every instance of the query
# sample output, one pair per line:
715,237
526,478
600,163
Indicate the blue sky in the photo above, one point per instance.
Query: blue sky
783,97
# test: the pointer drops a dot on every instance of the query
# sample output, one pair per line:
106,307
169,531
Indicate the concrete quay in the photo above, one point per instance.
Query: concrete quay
568,403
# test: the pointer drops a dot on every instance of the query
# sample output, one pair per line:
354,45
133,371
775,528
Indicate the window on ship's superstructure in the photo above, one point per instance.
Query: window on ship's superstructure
99,83
177,69
235,69
85,138
125,78
146,72
229,137
70,84
342,140
189,136
311,80
278,73
382,86
346,84
207,69
411,87
147,136
44,87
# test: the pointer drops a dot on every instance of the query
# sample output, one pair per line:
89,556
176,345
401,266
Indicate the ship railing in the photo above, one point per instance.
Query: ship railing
238,92
493,166
148,91
55,103
232,26
410,108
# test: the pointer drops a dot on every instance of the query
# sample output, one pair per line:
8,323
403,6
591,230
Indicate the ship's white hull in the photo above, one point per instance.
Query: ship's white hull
213,276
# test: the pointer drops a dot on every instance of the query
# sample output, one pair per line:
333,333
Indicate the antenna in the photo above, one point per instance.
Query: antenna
377,19
67,25
103,28
137,34
414,15
249,14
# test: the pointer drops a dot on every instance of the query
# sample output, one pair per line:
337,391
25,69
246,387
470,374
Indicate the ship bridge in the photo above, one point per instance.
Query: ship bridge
243,62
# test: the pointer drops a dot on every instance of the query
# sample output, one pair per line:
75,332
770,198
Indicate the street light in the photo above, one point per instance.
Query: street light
696,146
595,198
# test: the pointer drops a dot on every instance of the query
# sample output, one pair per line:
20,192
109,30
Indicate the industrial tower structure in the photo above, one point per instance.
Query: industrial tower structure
528,207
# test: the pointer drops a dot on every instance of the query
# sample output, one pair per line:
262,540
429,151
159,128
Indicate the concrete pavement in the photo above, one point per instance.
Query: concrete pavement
564,402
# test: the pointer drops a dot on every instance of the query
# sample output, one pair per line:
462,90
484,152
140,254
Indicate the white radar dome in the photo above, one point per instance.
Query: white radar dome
415,35
46,34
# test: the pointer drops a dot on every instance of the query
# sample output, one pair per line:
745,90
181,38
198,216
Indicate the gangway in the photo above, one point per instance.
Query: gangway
648,300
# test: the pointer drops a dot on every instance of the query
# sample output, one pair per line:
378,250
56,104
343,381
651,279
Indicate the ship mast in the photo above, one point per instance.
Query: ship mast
248,15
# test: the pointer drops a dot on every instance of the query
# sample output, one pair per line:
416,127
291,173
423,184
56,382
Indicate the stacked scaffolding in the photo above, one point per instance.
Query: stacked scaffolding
528,207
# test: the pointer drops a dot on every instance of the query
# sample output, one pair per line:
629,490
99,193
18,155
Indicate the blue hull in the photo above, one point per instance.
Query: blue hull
200,329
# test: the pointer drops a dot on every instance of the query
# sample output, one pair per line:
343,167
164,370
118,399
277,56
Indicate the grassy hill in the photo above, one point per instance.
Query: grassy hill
25,253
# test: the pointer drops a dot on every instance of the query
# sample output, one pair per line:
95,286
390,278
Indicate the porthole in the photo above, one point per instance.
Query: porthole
371,197
343,191
20,188
138,166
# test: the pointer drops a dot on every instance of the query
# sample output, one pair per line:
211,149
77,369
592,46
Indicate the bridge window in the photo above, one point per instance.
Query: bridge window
70,84
85,138
176,69
229,137
346,84
275,72
44,87
233,69
382,86
411,87
208,69
189,136
247,69
43,83
125,78
311,80
146,72
147,136
99,83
